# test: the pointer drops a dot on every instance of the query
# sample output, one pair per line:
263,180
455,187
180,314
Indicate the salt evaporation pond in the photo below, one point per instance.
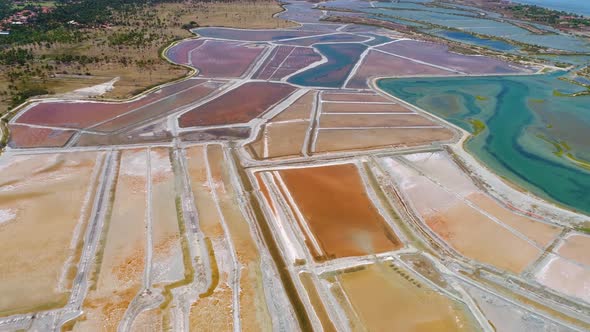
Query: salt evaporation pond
532,136
466,21
341,59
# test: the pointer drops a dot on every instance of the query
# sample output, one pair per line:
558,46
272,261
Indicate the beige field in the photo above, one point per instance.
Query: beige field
256,148
440,167
258,14
212,310
477,237
443,169
149,320
356,97
300,109
363,108
576,247
36,227
342,139
543,234
566,277
253,309
286,139
316,301
373,120
469,231
387,298
120,260
167,264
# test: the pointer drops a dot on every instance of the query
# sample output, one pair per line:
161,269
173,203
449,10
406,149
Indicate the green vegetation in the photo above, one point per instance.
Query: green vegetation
548,16
189,271
214,269
582,163
477,125
563,149
60,50
481,98
583,230
560,147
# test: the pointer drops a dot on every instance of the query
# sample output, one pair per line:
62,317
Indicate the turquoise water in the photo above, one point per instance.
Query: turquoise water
532,137
341,59
469,23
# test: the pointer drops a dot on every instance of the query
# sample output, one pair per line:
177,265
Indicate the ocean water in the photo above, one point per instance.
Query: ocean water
532,136
573,6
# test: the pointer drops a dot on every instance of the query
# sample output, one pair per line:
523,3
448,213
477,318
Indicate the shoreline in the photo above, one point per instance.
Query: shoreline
500,187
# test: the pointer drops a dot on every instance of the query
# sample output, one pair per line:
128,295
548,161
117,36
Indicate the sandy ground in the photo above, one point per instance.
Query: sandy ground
212,311
373,120
361,229
362,108
316,301
149,320
576,247
543,234
477,237
463,227
387,298
300,109
440,167
167,264
507,317
93,91
42,199
123,258
566,277
357,97
256,148
253,308
342,140
286,139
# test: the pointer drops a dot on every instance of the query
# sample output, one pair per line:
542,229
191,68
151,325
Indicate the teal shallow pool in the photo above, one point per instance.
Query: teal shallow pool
341,58
527,132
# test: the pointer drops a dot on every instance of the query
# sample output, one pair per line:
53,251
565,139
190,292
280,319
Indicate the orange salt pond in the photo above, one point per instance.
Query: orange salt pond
388,298
339,212
463,226
576,247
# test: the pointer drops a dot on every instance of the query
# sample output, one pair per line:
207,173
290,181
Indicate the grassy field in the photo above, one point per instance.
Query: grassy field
129,49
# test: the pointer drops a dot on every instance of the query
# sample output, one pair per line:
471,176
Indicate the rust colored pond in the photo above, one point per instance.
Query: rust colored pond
338,210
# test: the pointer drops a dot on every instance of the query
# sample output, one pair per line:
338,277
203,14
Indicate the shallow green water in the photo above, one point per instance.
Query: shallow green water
532,136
